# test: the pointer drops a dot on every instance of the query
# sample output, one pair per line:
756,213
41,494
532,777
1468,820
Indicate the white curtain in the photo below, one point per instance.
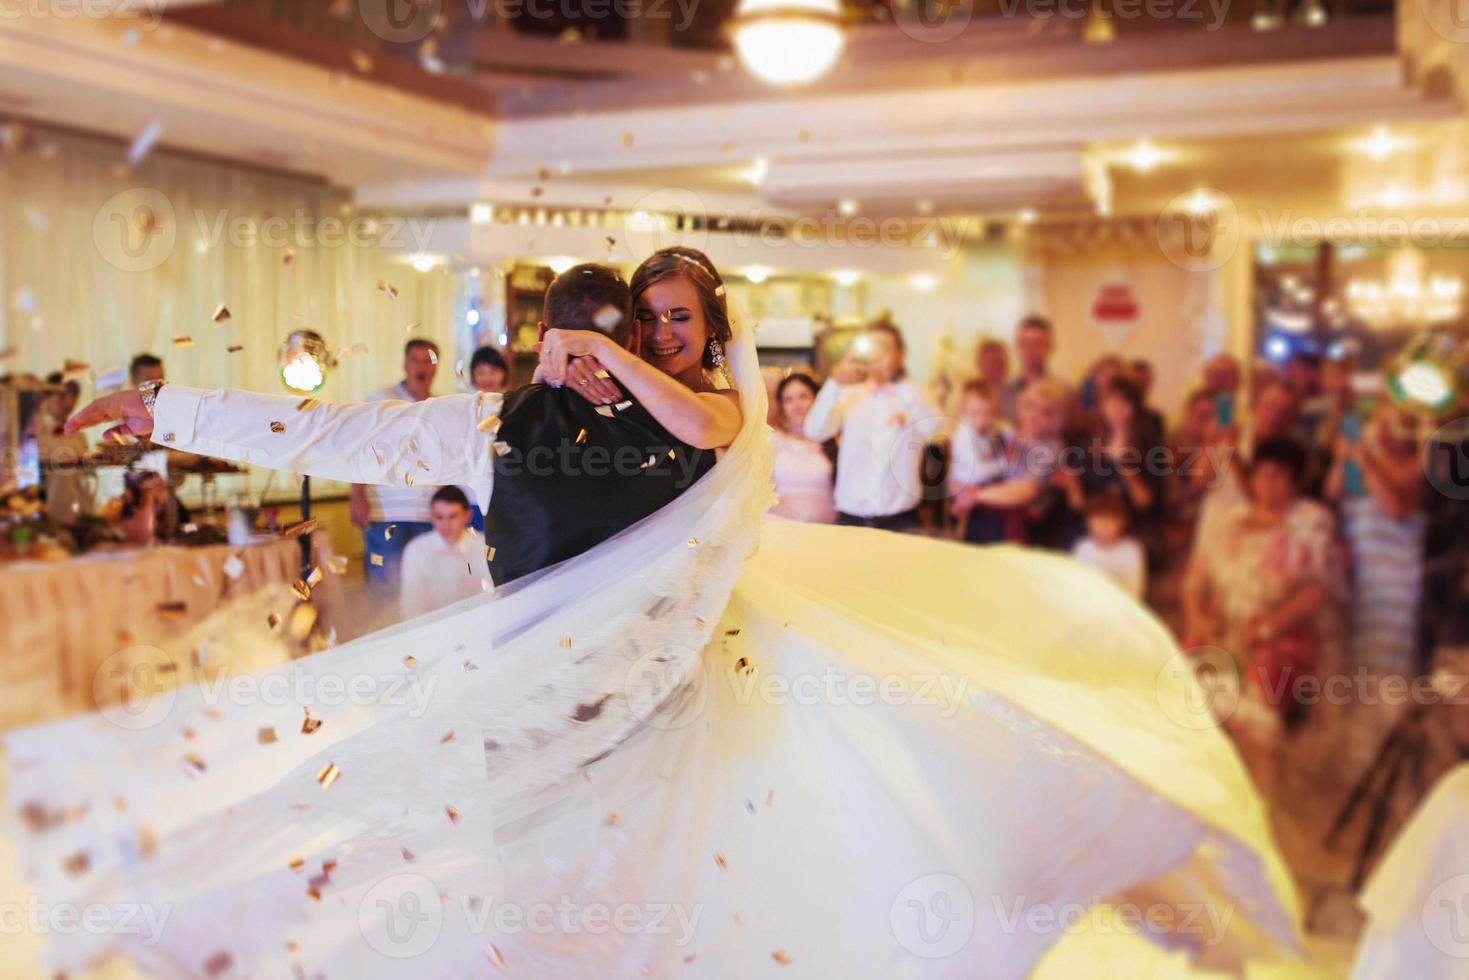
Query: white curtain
99,261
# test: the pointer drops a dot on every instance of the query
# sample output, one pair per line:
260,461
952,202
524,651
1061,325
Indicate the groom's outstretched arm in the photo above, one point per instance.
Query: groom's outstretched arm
439,441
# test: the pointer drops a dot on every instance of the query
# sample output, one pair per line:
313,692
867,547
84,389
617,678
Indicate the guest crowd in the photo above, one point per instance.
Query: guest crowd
1287,521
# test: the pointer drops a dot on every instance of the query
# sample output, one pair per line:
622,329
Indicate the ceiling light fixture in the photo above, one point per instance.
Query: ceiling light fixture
788,42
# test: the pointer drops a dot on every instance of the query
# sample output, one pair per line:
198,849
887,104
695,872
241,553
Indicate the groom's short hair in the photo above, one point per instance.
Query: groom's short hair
590,297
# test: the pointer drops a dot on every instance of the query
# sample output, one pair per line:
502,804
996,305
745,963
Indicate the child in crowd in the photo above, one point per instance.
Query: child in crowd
978,459
447,565
1107,546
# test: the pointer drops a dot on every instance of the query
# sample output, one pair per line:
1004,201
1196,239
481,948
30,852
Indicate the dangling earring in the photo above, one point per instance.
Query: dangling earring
716,354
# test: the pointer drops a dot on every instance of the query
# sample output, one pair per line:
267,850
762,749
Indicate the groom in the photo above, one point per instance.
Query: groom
561,471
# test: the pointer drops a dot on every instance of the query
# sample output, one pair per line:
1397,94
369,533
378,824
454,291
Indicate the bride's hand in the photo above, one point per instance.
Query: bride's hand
558,347
588,378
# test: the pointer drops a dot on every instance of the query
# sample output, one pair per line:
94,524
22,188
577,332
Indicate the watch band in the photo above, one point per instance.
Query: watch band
149,392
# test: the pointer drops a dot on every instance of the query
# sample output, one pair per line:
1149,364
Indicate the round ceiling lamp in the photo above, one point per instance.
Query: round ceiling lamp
788,42
304,361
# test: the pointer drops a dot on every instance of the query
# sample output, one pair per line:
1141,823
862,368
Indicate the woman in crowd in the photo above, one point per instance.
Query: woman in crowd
1032,492
1117,458
1377,479
1192,473
1263,584
804,469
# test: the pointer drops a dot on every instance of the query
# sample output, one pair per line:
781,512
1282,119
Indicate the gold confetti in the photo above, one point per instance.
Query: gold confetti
537,191
720,862
315,577
650,461
173,611
605,410
273,620
581,437
303,618
603,374
453,814
623,406
781,957
501,448
219,963
422,465
278,427
693,542
329,774
490,424
489,552
408,855
309,725
195,763
183,341
387,287
408,479
361,60
77,864
613,819
469,666
566,643
447,739
221,313
411,327
672,454
288,257
376,559
493,952
306,404
410,661
266,736
301,590
627,138
388,532
337,564
234,348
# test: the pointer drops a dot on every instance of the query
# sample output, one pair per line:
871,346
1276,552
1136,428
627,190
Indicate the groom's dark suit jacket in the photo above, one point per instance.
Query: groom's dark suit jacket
568,477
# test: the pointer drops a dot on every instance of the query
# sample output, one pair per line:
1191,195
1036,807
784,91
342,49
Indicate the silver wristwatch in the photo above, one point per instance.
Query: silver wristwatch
149,392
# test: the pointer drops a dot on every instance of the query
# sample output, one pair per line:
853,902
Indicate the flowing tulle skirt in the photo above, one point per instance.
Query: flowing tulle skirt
891,757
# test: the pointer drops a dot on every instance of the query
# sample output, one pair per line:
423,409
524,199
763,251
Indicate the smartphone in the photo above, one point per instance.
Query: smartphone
1224,409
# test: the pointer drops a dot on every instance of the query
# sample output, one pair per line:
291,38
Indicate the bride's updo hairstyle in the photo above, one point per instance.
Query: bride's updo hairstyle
680,261
590,297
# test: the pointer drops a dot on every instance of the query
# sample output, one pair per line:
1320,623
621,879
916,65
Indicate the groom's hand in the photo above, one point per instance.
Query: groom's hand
124,407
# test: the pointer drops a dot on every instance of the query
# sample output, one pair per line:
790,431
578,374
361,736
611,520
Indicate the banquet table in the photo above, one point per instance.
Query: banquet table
69,629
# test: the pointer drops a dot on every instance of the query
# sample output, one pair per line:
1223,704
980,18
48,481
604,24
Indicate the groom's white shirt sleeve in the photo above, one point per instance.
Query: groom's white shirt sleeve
435,442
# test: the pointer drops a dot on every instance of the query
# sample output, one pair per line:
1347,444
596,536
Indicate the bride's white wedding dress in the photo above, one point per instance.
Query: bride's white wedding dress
704,748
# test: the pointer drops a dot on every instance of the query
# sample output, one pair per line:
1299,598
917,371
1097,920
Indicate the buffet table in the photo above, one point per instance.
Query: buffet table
73,632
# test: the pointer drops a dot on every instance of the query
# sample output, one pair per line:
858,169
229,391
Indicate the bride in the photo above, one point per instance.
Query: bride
704,747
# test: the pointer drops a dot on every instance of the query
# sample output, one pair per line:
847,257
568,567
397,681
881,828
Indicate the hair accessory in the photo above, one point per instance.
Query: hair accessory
719,290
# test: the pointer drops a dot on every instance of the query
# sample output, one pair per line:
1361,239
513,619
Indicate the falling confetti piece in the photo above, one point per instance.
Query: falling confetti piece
493,952
693,542
183,341
173,611
337,564
288,257
234,348
309,725
315,577
307,404
221,313
361,61
469,666
388,532
613,819
266,736
408,855
501,448
218,963
408,479
194,763
387,287
489,424
329,774
411,327
623,406
607,317
303,618
422,465
410,661
144,142
780,957
720,862
447,739
489,552
453,814
233,567
278,427
566,643
77,864
605,410
376,560
274,620
627,138
581,437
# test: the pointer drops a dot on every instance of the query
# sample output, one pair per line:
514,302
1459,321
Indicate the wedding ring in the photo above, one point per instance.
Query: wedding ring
582,382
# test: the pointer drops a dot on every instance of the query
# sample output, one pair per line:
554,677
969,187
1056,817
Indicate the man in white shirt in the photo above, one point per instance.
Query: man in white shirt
447,565
885,421
391,517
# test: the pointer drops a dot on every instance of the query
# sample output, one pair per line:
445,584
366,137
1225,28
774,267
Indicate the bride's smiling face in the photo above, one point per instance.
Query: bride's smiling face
673,327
